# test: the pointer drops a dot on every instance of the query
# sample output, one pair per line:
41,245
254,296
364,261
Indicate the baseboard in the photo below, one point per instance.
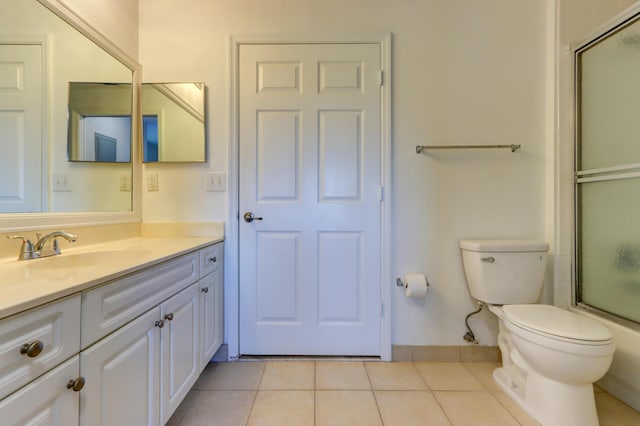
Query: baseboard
468,353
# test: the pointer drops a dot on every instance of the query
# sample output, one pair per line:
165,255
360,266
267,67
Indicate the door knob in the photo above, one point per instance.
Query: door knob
250,217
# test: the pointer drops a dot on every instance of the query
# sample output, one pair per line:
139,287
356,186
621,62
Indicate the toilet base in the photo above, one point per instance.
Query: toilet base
550,402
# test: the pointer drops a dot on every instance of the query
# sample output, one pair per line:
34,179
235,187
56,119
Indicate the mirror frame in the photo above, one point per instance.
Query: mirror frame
10,222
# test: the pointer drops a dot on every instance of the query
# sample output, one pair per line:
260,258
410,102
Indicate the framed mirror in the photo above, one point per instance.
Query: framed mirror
53,47
173,122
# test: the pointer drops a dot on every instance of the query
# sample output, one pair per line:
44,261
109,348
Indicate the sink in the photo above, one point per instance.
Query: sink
86,259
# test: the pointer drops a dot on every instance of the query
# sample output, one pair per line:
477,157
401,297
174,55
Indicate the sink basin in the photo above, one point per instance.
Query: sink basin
87,259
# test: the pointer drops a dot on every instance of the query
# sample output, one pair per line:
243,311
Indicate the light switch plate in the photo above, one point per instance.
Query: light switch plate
216,182
124,182
153,183
61,182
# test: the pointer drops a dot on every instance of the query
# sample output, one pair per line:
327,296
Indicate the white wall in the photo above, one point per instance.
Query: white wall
116,19
465,72
579,18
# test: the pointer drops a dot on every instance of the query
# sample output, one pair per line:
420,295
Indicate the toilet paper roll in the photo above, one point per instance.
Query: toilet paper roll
415,285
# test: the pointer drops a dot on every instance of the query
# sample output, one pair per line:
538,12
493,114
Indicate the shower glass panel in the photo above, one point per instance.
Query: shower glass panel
608,172
609,267
610,97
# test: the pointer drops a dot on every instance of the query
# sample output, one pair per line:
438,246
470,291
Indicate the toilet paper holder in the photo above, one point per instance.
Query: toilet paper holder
400,283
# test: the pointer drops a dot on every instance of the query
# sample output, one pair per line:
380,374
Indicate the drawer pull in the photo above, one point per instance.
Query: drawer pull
205,290
169,317
76,385
159,323
32,349
213,259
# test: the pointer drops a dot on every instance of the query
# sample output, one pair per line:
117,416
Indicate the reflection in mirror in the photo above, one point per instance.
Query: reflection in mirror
100,122
173,122
48,54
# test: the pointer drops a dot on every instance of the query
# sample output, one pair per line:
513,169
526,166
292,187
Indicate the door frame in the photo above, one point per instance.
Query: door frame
232,246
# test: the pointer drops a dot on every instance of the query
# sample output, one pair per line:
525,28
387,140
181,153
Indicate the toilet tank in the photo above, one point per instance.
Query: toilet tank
503,272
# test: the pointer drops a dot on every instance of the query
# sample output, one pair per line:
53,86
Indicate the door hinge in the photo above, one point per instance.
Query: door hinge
381,77
381,193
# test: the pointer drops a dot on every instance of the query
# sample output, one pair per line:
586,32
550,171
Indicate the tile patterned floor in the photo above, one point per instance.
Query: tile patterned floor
353,393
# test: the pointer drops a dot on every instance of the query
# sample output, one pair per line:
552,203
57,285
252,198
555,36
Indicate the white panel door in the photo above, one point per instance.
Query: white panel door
310,174
21,107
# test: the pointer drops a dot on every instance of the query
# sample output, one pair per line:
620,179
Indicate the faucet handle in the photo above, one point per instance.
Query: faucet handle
27,250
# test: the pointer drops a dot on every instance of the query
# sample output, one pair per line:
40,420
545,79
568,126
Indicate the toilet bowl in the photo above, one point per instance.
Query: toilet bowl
550,356
562,354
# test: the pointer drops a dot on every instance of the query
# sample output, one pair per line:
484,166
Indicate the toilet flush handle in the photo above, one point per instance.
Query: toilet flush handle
488,259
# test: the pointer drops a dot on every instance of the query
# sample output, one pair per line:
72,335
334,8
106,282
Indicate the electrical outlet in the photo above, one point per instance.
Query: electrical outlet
153,183
124,181
216,182
61,182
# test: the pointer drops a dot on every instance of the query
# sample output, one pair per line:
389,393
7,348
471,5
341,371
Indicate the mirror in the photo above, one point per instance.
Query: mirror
173,122
100,122
51,57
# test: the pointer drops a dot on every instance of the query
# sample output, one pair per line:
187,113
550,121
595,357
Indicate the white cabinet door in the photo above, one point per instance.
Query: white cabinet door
180,360
211,317
122,376
45,401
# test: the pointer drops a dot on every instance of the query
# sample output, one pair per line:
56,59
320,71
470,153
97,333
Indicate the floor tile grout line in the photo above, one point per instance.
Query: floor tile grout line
255,394
424,380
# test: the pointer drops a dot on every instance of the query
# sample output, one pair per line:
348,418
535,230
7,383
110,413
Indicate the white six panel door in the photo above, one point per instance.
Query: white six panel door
21,106
310,168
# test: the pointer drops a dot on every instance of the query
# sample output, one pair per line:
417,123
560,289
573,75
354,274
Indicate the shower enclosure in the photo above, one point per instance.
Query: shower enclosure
607,173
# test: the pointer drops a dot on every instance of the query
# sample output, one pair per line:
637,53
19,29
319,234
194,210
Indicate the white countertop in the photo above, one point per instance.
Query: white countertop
29,283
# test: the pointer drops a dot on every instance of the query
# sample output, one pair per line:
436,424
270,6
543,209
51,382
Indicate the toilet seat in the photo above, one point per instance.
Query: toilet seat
557,323
560,329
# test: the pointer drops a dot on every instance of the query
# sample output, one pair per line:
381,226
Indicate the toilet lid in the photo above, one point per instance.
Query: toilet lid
557,322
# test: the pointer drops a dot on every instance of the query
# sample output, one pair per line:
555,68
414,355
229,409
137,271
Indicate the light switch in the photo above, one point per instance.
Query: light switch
124,181
153,183
216,182
61,182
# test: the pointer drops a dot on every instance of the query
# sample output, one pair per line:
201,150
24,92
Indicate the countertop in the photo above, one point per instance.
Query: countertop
29,283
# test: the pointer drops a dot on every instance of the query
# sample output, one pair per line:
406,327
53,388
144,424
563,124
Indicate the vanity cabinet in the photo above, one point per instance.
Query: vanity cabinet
144,340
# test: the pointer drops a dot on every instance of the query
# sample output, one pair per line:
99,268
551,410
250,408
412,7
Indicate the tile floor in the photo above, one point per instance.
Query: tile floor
353,393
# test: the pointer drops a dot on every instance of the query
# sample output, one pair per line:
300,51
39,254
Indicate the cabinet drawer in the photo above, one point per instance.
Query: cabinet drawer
210,259
55,327
46,401
108,307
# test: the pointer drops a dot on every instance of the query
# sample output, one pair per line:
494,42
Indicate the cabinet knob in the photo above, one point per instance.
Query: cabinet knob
169,317
32,349
76,385
205,290
213,259
159,323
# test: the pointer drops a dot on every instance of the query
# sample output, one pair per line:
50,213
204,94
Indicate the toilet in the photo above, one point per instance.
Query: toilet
550,356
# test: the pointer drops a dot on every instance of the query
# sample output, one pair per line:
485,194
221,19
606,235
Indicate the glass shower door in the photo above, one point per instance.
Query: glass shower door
608,173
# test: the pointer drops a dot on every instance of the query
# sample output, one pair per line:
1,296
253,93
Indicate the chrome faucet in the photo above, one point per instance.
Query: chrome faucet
48,245
45,246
